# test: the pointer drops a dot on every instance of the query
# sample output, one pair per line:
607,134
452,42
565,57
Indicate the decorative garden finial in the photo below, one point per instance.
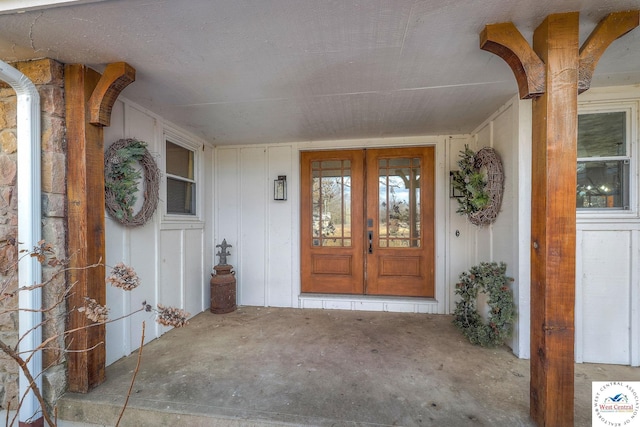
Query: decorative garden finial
222,253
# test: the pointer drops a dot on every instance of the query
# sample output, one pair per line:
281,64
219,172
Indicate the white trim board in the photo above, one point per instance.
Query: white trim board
369,303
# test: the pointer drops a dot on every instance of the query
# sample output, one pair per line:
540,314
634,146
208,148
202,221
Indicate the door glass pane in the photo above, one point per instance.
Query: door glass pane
399,202
331,203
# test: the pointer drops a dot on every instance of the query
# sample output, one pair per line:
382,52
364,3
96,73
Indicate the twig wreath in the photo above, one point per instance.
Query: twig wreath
122,178
480,180
489,278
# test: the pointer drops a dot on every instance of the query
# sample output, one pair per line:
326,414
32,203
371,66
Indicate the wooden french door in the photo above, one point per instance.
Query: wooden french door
367,224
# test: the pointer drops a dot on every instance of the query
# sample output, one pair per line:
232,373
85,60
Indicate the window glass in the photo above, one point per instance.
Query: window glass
603,161
602,184
180,197
181,185
179,161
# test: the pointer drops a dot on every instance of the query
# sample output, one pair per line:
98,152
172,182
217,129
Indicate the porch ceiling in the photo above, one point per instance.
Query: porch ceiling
255,71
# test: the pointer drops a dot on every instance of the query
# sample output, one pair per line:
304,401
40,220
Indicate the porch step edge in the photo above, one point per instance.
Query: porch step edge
76,410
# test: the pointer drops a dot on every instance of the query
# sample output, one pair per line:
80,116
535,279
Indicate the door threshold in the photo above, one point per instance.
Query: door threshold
370,303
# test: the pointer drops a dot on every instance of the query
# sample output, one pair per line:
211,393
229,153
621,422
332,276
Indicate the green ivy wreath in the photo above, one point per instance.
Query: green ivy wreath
491,279
122,179
480,183
470,183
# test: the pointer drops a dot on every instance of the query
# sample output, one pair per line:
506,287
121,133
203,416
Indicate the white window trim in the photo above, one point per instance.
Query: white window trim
631,108
184,141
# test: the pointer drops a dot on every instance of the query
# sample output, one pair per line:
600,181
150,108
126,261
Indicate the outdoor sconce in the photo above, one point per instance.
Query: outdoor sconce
280,188
453,192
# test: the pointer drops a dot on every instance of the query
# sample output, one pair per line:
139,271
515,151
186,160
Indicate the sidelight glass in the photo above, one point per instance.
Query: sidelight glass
331,203
399,202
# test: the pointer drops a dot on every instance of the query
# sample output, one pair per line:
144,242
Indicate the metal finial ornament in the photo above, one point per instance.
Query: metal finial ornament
223,283
222,253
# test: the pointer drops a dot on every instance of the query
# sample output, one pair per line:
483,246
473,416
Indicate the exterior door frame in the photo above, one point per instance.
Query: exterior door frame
435,169
439,304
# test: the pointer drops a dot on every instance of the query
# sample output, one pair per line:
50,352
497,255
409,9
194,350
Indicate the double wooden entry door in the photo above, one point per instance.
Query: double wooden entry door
367,224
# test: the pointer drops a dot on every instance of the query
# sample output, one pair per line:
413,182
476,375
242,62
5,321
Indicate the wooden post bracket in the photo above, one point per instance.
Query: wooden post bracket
508,43
116,77
612,27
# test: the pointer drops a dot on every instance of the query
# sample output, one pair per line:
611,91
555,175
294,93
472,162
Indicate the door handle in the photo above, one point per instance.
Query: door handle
370,242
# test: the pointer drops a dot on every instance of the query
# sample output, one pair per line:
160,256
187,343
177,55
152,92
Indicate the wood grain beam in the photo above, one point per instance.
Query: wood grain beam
86,229
553,223
612,27
565,70
116,77
508,43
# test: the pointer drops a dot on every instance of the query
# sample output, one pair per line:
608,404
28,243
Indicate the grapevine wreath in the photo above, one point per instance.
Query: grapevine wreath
489,278
121,181
480,181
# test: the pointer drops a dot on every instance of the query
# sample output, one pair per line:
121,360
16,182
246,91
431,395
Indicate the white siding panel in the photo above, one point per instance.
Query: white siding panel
279,232
171,268
194,271
115,130
483,136
504,235
143,246
507,240
208,258
605,310
461,233
483,248
116,243
227,196
141,126
253,193
117,300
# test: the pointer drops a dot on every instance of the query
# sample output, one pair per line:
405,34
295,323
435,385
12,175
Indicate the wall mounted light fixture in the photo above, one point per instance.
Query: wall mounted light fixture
453,192
280,188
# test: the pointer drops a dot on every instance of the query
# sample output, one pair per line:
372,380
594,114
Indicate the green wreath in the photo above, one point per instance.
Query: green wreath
491,279
122,181
470,182
480,184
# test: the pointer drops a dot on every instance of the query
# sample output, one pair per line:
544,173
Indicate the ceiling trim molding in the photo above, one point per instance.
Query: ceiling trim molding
21,6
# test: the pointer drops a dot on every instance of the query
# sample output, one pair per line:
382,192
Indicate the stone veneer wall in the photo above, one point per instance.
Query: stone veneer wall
48,76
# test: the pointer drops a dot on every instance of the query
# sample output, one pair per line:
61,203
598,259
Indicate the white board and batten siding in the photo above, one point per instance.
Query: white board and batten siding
265,233
606,293
259,228
608,255
172,255
607,310
508,131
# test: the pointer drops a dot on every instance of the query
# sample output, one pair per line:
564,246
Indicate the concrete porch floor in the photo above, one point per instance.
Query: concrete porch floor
273,366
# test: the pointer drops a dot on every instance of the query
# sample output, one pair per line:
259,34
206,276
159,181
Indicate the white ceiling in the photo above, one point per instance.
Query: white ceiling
256,71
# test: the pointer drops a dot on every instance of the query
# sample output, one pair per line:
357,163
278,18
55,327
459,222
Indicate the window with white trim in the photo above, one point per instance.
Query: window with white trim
181,179
604,158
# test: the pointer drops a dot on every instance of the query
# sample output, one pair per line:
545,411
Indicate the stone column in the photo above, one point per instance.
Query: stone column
48,77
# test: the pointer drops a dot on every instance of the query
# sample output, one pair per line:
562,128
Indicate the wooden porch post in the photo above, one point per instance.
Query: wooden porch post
553,223
89,98
553,73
